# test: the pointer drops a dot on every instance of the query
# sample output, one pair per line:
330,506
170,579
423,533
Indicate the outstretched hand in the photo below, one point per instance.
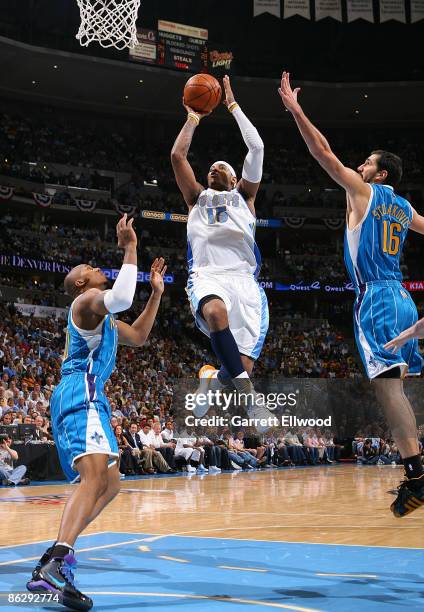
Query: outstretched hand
125,233
191,110
415,331
157,272
289,95
229,96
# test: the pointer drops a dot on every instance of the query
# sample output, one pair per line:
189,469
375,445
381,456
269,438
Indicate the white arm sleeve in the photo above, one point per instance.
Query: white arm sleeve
252,168
121,296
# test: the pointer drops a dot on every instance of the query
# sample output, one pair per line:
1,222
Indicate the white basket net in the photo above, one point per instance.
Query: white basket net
111,23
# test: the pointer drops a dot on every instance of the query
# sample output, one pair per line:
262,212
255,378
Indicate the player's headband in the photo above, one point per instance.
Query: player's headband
227,165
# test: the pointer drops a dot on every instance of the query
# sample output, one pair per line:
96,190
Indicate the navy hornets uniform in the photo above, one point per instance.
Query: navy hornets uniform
80,411
383,308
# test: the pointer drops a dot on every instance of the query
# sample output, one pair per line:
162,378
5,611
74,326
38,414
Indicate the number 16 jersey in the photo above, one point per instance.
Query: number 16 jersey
383,308
374,247
221,235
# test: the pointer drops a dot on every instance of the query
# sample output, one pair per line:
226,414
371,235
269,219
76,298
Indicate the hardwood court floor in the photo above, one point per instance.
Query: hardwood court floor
330,505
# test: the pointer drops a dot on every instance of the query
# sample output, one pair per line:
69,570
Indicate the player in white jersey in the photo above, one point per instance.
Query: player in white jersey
226,300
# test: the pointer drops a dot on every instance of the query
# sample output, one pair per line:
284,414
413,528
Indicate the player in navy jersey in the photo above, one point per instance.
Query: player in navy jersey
377,222
80,411
226,300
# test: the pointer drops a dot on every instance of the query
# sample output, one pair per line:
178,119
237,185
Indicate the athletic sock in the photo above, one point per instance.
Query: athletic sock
413,469
413,466
60,550
225,348
223,376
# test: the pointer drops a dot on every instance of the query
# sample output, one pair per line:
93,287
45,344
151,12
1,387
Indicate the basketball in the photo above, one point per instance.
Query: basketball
202,93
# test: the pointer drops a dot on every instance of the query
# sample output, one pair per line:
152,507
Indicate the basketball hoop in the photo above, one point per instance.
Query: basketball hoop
111,23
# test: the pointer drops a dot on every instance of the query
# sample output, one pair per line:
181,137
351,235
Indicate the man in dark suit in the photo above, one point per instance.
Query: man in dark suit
133,438
146,454
142,454
39,433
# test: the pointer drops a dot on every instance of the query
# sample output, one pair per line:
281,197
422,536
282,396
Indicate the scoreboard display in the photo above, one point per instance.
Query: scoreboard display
181,46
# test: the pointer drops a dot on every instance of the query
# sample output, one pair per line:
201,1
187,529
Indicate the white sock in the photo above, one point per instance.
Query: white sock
65,544
243,375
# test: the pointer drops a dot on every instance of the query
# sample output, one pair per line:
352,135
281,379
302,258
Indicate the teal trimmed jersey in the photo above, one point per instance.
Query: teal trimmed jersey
383,307
91,351
374,247
80,411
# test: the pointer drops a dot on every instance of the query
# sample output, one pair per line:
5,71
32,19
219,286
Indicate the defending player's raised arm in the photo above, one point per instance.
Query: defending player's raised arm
137,333
318,145
252,167
183,171
120,297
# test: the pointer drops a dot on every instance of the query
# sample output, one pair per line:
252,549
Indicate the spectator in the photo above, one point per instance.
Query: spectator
235,446
142,454
149,440
41,432
9,475
368,454
127,461
165,448
185,450
168,434
311,445
294,448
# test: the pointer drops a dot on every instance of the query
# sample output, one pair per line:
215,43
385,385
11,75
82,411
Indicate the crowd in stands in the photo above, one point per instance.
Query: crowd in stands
48,137
32,290
73,245
295,261
142,388
148,445
141,393
376,451
319,352
55,138
290,350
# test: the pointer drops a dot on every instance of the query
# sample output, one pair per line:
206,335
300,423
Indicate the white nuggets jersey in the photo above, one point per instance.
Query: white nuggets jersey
221,234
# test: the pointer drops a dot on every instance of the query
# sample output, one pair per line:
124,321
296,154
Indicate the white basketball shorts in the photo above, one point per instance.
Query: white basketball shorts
246,303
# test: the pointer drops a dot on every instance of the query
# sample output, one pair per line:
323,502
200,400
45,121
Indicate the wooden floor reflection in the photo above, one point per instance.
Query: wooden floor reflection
331,505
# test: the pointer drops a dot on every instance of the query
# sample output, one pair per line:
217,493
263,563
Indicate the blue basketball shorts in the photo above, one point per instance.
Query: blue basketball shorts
382,310
80,415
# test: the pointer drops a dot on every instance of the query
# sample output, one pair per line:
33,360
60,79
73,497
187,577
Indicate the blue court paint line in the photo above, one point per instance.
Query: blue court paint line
388,579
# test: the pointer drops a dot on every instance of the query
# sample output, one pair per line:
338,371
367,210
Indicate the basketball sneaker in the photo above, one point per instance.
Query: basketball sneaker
209,381
408,499
45,557
57,577
255,409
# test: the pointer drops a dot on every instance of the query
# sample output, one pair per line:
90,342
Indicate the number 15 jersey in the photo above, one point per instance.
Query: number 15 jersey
374,247
221,234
